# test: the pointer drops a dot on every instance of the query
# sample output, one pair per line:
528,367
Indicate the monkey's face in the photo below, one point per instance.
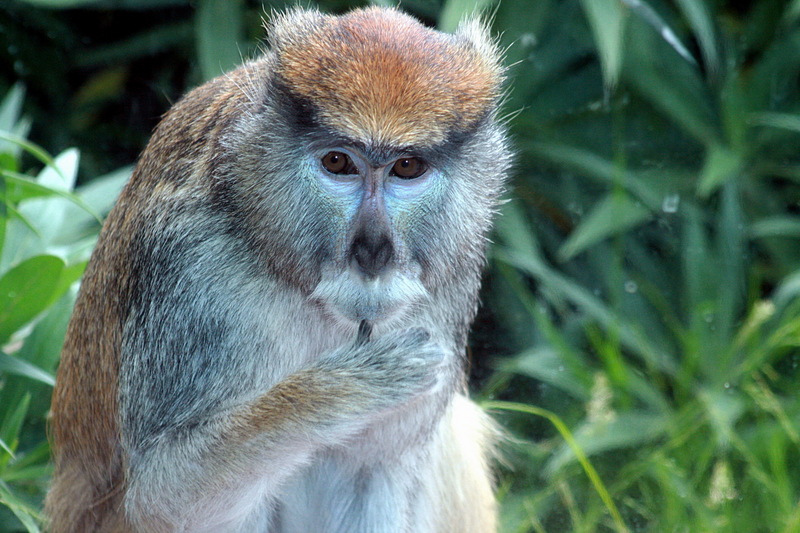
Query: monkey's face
372,273
375,159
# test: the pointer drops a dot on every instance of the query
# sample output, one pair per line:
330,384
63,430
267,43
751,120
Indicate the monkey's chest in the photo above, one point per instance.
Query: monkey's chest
367,485
337,495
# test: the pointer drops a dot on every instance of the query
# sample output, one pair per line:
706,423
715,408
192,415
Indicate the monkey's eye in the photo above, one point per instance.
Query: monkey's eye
338,163
409,168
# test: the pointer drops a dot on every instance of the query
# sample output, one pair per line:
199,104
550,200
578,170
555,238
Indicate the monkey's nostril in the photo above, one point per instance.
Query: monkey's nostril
372,253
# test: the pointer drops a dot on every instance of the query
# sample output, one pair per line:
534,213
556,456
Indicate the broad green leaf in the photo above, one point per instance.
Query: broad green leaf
32,473
47,214
614,214
516,231
26,290
12,365
788,291
63,172
220,35
42,347
607,20
674,87
96,197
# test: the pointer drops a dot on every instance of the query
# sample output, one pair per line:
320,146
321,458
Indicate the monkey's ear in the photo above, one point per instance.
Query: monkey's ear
286,27
475,30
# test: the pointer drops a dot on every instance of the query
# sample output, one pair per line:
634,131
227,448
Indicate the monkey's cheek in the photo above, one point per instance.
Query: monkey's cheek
348,296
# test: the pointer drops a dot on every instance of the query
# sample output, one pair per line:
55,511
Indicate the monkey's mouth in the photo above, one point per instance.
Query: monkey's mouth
354,297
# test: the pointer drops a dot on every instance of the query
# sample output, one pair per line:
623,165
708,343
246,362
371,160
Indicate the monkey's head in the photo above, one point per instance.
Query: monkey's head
369,162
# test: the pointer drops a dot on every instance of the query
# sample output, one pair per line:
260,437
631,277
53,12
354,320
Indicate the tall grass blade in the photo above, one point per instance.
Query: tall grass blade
566,434
220,35
12,365
699,17
649,15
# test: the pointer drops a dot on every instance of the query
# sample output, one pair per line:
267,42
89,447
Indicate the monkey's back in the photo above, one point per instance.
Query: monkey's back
89,482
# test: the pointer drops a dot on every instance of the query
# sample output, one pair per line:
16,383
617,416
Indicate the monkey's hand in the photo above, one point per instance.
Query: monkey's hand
335,397
387,371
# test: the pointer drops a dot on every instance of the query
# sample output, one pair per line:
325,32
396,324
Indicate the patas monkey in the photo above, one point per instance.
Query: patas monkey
270,336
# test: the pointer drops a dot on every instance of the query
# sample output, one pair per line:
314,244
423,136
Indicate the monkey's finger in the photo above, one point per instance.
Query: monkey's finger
364,332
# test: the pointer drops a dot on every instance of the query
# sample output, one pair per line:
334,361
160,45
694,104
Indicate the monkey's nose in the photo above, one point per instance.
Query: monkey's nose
372,251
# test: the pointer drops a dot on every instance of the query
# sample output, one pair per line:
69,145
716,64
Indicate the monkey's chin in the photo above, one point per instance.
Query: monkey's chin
350,296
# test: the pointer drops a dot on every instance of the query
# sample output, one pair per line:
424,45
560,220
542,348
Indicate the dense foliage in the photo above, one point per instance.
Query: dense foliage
640,335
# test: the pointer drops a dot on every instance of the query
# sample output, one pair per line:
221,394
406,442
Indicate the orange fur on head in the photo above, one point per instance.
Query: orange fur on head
380,76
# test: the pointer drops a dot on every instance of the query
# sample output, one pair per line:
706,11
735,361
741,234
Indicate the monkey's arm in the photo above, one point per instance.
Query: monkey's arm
208,473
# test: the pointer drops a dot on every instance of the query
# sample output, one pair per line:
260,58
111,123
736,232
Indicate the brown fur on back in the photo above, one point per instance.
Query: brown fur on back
89,482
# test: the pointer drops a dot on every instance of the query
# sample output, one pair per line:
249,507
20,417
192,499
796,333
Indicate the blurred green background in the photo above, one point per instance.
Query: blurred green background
640,331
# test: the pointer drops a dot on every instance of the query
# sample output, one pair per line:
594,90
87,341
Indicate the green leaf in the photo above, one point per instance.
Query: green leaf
160,39
699,17
33,149
607,20
651,17
24,188
546,365
24,512
723,409
576,449
48,214
629,333
26,290
32,473
792,12
61,174
12,422
672,85
456,11
598,168
220,35
614,214
623,431
11,365
10,110
785,121
721,164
